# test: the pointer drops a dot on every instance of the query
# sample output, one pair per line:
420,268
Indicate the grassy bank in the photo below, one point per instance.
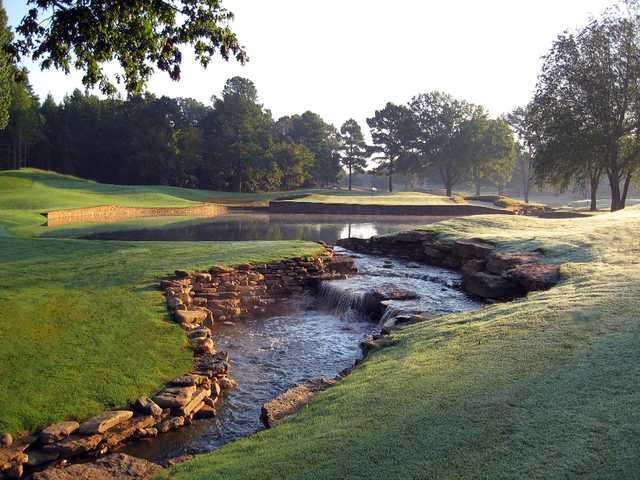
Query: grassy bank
82,327
542,387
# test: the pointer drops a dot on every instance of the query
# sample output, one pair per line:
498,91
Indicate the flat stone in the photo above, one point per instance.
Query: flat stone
535,276
197,401
58,431
190,317
148,406
174,397
103,422
75,445
500,262
172,423
487,285
472,249
117,466
292,400
128,429
473,266
342,264
393,293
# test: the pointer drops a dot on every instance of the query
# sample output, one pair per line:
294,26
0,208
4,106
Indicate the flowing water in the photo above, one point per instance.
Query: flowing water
319,338
265,226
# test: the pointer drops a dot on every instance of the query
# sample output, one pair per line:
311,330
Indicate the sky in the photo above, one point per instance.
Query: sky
346,58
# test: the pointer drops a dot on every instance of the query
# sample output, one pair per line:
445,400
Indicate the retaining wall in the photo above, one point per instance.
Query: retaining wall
357,209
112,213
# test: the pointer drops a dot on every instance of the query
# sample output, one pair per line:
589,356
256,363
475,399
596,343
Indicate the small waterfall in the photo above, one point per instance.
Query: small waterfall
342,300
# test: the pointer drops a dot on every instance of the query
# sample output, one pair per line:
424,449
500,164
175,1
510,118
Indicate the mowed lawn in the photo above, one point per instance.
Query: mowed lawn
83,326
545,387
399,198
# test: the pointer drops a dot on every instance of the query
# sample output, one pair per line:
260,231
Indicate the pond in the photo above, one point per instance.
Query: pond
320,337
264,226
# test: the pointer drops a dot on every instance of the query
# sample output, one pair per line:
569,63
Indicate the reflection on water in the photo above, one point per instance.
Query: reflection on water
262,226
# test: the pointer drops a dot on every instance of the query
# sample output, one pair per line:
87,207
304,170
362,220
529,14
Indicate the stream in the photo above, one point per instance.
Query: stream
319,338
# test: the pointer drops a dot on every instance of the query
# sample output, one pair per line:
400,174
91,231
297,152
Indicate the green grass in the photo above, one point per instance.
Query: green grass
82,325
544,387
400,198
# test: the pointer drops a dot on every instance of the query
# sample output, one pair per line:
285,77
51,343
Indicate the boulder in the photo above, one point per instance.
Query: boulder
292,400
103,422
148,406
226,383
190,317
488,285
41,457
472,249
172,423
128,429
535,276
181,274
58,431
433,254
211,365
174,397
197,401
6,440
500,262
390,292
473,266
342,264
206,411
117,466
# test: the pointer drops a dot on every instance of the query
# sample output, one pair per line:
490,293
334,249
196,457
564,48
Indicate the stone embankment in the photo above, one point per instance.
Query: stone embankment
447,210
197,301
113,213
487,272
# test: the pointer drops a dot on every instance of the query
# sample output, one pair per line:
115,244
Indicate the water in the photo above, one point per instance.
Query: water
319,338
264,226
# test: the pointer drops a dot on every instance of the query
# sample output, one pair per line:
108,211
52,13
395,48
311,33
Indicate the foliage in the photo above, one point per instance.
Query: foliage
391,129
587,103
294,161
353,149
140,35
6,69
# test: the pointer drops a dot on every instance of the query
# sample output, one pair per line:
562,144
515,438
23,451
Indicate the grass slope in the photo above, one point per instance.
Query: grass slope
81,326
542,387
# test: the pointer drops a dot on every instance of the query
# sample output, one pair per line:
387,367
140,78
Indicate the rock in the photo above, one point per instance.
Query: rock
147,433
292,400
342,264
535,276
174,397
473,266
227,383
148,406
500,262
182,274
6,440
16,471
411,236
218,269
58,431
488,285
172,423
178,460
103,422
472,249
40,457
75,445
204,345
391,292
197,401
211,365
190,317
174,302
203,277
116,466
128,429
207,411
183,381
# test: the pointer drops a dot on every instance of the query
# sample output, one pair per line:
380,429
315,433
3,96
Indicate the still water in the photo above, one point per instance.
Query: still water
264,226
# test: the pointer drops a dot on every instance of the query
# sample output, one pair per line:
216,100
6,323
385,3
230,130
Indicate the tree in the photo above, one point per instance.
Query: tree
140,35
591,79
391,129
237,138
519,120
294,162
353,149
440,137
7,69
310,130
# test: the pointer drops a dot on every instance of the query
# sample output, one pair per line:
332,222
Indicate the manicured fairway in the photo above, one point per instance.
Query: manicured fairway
539,388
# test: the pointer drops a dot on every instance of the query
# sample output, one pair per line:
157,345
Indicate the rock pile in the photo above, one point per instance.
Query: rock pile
487,273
